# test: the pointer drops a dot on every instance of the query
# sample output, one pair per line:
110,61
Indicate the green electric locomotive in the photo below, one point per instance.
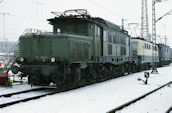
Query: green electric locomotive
80,50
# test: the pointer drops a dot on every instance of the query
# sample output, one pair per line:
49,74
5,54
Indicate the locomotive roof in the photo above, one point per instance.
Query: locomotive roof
163,45
84,16
108,24
138,38
95,20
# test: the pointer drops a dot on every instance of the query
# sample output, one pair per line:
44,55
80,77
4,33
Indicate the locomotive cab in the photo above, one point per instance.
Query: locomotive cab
50,57
69,26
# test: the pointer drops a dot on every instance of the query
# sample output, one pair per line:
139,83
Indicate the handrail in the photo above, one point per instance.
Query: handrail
30,31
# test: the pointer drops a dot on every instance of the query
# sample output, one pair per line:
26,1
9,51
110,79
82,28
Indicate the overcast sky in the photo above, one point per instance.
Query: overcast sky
33,14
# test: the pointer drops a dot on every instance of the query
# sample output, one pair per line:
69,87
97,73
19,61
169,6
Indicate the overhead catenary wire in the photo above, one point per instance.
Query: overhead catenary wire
121,6
25,17
110,12
107,10
37,3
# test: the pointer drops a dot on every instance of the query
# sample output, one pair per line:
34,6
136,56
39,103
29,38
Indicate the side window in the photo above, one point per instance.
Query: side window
123,51
70,28
145,46
117,38
127,41
114,38
55,29
82,28
123,40
109,37
109,49
97,30
104,35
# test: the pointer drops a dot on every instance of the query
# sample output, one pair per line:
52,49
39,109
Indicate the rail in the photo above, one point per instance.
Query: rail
25,91
169,110
50,92
137,99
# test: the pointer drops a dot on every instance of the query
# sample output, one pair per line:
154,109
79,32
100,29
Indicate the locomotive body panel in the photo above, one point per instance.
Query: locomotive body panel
144,51
116,47
41,48
164,54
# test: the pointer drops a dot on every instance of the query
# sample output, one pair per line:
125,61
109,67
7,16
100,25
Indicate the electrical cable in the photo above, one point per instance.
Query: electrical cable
109,11
27,18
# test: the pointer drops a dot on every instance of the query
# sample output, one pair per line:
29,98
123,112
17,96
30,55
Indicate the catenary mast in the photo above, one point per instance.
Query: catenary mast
144,21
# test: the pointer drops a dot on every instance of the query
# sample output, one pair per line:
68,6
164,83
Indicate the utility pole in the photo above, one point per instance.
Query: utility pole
4,38
144,21
154,49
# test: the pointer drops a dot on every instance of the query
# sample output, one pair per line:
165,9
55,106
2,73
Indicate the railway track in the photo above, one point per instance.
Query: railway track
15,98
19,92
43,92
46,91
137,99
169,110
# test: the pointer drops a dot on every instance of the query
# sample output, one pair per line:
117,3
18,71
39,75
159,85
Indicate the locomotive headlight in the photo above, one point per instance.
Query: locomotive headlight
21,59
53,59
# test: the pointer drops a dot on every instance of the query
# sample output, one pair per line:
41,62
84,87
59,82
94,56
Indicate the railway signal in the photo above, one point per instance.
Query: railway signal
146,75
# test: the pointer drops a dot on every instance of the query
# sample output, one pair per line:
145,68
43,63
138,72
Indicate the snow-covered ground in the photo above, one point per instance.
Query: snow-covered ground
162,98
16,87
102,97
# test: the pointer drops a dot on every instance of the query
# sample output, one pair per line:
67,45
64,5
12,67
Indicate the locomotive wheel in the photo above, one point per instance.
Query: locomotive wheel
76,75
91,75
134,69
122,70
118,71
45,81
100,74
106,72
67,83
115,74
111,71
58,79
34,80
